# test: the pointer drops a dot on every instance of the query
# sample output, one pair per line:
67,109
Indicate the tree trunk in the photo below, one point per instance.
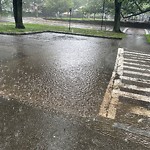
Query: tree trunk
117,16
17,6
0,7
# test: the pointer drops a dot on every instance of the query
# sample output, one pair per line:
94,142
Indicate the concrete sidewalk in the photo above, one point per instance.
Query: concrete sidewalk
127,98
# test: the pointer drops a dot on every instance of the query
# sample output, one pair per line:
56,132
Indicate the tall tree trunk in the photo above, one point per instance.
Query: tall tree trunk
17,6
0,7
117,16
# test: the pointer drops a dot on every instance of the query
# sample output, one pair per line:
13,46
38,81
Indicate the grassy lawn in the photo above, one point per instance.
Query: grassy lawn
9,28
148,38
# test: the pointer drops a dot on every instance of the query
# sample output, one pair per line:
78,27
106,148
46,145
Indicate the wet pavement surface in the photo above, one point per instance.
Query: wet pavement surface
129,104
51,88
68,73
28,128
135,41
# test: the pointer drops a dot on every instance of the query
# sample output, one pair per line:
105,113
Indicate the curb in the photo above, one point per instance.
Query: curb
146,31
110,97
125,30
78,34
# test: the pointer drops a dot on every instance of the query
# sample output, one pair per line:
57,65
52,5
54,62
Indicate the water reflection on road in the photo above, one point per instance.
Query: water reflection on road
68,73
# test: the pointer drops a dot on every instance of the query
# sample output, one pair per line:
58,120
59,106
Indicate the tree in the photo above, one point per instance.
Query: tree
33,6
58,6
94,7
118,4
17,7
79,3
131,7
135,7
0,7
5,6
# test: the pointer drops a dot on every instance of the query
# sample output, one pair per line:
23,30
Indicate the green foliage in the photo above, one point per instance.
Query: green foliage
6,5
94,6
128,6
79,3
89,6
134,6
148,38
58,6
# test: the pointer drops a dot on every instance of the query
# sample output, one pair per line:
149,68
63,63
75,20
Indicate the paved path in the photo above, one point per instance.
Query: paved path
131,82
127,99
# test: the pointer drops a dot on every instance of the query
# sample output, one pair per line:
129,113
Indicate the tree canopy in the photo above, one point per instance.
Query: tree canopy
58,6
118,8
129,8
134,7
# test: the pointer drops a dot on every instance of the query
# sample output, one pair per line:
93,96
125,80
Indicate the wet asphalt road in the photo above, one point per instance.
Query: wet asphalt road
135,41
51,71
27,128
68,73
51,88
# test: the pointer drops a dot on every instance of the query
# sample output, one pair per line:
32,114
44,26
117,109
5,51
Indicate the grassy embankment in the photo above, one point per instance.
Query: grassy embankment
9,28
148,38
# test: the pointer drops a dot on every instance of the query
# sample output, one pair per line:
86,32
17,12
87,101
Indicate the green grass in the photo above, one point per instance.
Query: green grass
148,38
10,28
98,33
